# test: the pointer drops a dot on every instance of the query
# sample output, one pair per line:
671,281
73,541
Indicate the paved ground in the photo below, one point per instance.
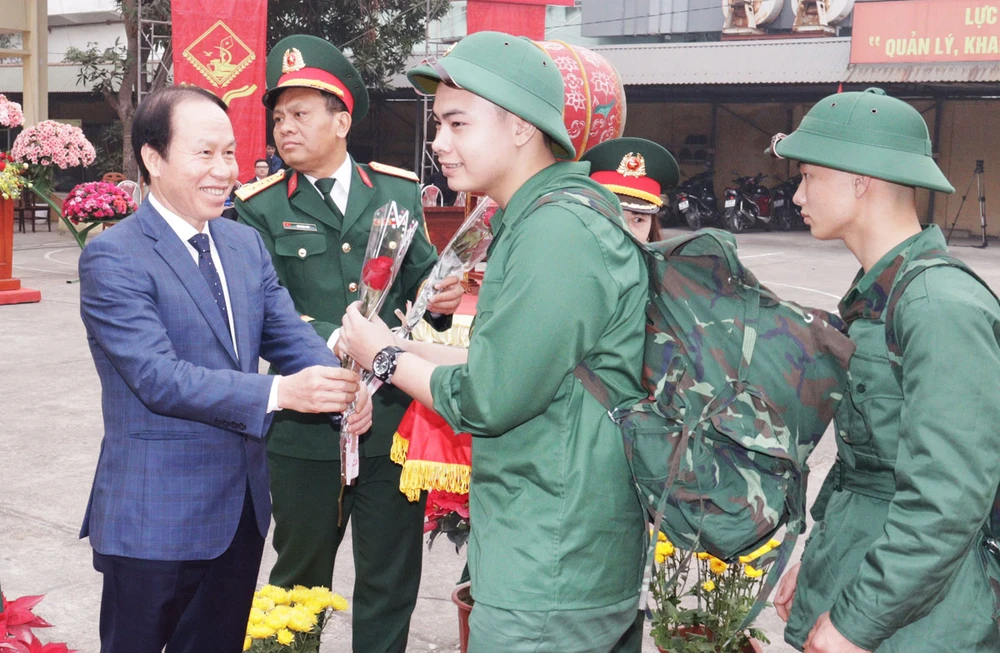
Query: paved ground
50,432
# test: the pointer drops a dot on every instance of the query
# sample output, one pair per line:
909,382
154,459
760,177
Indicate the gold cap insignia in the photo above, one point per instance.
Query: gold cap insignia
632,165
293,61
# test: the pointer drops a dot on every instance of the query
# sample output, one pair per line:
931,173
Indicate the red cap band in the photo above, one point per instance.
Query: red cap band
642,184
319,80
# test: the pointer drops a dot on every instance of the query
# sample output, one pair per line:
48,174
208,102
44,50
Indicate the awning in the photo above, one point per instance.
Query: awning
784,61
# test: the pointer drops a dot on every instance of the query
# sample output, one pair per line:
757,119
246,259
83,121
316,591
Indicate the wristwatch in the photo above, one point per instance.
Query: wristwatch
384,363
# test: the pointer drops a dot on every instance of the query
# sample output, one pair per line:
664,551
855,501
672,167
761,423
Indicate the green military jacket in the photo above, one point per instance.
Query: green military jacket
556,524
318,258
897,554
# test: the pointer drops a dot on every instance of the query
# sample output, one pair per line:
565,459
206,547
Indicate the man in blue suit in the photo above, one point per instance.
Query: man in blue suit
179,307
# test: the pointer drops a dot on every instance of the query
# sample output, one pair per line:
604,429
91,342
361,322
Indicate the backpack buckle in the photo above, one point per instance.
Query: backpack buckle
993,546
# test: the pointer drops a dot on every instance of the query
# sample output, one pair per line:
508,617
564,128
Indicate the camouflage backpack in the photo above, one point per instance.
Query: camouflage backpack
903,277
742,385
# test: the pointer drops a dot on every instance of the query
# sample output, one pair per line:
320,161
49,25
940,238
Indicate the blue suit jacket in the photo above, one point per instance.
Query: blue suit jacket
184,419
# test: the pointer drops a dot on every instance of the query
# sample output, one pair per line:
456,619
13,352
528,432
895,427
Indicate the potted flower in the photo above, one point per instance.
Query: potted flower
49,144
17,621
700,601
97,203
289,621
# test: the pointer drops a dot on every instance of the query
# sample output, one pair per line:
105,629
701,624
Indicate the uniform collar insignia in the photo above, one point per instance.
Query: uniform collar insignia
632,165
292,61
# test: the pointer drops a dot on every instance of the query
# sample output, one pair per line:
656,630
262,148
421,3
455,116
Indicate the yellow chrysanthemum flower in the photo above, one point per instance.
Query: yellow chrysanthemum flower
263,603
260,631
278,617
708,586
280,596
300,594
339,603
256,615
717,566
752,572
316,605
302,619
704,556
664,549
660,537
247,643
660,559
285,637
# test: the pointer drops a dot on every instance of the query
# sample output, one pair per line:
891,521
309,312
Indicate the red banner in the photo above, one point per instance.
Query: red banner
917,31
222,46
517,17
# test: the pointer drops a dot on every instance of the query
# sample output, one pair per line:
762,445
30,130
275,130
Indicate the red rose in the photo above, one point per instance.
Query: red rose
377,272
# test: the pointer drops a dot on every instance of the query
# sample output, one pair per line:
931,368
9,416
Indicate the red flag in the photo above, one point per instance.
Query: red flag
222,46
517,17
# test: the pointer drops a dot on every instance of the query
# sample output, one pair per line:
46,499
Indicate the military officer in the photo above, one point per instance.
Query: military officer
637,171
902,555
315,219
558,536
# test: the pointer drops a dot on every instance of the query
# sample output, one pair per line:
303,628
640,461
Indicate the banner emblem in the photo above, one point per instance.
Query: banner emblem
219,54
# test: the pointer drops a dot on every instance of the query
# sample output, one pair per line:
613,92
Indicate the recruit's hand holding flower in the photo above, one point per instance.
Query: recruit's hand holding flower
448,297
361,339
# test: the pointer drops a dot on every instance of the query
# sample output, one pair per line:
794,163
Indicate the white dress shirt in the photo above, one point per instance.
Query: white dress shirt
342,188
185,231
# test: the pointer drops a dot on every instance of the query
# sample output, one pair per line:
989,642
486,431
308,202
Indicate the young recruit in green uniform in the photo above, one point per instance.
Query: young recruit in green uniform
558,536
898,560
315,219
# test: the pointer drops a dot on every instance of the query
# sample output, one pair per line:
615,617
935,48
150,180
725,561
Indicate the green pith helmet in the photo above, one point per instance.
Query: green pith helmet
509,71
635,169
867,133
306,61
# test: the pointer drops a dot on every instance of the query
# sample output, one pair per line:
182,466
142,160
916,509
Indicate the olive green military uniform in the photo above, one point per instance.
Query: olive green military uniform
318,255
898,553
558,535
556,522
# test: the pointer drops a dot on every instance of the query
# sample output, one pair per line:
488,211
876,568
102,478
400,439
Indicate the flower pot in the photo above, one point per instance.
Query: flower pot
753,646
462,597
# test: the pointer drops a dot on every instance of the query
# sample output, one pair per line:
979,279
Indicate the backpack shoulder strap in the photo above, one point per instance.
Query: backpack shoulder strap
593,384
913,269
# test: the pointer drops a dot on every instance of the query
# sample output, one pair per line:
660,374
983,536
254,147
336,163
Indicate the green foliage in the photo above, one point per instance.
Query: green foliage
378,35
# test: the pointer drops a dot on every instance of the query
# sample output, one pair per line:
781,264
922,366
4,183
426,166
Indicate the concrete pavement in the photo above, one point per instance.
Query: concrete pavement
50,433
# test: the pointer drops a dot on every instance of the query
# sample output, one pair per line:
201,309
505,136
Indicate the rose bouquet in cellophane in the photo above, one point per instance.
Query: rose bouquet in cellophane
392,232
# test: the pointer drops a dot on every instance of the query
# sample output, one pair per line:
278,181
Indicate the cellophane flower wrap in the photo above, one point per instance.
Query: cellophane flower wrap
11,177
392,232
53,143
700,602
289,620
11,115
98,201
465,249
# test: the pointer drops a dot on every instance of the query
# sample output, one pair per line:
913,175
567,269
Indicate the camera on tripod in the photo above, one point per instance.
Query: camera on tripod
977,176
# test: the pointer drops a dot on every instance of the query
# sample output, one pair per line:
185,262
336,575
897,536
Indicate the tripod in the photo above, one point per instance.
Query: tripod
977,176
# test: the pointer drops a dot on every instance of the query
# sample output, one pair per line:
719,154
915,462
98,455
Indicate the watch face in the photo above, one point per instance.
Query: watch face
381,364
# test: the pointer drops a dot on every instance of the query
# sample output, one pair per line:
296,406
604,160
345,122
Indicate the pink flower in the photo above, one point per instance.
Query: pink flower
97,200
11,115
52,143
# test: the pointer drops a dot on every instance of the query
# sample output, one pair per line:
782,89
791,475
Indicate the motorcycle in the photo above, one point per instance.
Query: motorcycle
747,204
695,200
786,213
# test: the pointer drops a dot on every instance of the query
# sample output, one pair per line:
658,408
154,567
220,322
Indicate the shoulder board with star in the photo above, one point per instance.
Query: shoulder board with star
393,171
246,191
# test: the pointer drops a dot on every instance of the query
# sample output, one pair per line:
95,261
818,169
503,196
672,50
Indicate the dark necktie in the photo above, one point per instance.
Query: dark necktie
207,267
325,186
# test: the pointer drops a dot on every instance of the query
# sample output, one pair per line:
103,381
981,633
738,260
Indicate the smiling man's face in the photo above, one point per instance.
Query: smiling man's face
198,172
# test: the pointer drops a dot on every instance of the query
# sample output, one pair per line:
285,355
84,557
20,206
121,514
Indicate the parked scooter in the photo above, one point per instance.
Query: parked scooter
785,213
748,204
695,200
